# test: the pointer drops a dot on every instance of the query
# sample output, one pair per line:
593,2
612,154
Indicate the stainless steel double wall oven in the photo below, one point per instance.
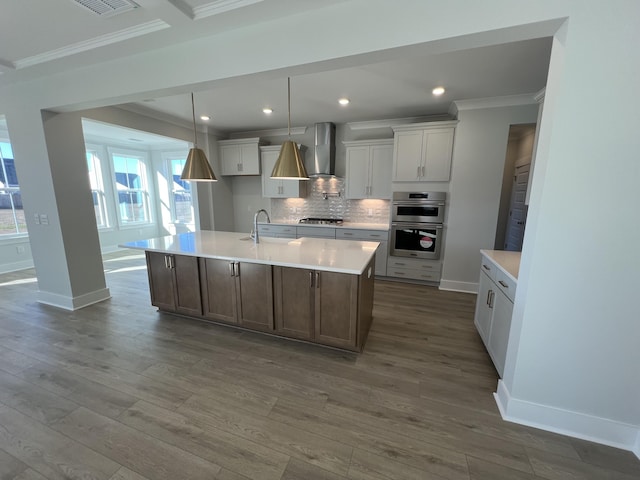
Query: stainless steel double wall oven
416,224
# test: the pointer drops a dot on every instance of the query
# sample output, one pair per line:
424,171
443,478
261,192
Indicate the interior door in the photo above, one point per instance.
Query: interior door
517,210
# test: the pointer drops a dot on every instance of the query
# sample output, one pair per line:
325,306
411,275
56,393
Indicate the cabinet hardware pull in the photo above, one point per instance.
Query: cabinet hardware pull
166,261
485,267
317,279
503,284
492,296
418,172
236,269
310,279
422,168
488,297
231,269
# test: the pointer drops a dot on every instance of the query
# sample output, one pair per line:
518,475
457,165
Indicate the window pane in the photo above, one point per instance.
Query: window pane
97,189
132,189
12,220
181,194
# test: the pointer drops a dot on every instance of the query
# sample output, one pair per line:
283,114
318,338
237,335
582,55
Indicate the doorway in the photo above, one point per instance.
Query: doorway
512,215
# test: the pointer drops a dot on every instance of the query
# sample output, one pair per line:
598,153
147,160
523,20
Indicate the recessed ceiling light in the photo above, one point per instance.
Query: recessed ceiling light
267,110
205,117
438,91
343,101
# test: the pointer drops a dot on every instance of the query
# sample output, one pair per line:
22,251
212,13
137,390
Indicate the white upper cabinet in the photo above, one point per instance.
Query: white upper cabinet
369,165
277,187
240,157
422,152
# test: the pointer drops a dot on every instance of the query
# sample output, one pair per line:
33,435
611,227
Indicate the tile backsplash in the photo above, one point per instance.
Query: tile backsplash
326,199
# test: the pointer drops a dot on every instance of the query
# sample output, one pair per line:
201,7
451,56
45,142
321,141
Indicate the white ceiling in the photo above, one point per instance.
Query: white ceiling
70,36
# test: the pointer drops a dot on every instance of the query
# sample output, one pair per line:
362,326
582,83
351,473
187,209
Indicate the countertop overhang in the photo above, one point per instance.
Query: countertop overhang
342,256
508,262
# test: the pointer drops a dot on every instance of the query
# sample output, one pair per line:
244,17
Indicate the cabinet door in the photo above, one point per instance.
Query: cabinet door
187,285
249,160
230,159
437,157
218,290
294,301
357,172
336,308
270,186
380,171
255,295
407,156
482,320
500,327
161,283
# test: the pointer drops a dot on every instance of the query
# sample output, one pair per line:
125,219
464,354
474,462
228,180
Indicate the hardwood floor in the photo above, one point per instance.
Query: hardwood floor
118,391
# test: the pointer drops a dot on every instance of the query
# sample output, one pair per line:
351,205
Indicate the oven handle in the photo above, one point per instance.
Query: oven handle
413,203
424,226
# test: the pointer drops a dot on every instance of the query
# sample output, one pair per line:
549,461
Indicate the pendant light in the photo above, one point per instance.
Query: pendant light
197,168
289,164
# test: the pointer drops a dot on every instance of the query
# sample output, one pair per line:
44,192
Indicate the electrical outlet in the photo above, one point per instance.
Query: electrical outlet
44,219
36,218
370,212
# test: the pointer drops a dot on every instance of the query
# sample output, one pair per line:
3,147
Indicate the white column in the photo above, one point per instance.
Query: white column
52,171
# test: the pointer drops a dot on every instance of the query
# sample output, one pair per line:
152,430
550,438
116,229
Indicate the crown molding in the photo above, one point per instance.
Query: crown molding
392,122
539,96
100,41
215,7
495,102
275,132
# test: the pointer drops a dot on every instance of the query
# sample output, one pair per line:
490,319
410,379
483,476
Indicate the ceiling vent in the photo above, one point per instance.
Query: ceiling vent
107,8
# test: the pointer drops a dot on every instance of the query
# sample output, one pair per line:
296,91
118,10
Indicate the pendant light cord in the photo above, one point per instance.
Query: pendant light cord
193,113
289,106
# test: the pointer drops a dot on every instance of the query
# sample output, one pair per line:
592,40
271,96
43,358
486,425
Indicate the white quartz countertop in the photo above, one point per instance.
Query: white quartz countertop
508,262
354,225
344,256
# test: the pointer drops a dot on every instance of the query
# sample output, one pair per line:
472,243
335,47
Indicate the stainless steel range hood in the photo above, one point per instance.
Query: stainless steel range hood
323,162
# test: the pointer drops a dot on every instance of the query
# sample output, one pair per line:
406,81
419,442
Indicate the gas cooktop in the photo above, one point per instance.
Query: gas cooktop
321,221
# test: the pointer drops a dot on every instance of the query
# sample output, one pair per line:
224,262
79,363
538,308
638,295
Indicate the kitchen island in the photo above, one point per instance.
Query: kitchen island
311,289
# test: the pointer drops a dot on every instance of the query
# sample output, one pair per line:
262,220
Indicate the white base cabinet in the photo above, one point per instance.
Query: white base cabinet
414,269
381,236
494,308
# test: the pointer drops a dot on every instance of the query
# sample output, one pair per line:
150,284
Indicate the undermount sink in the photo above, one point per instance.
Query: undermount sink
268,239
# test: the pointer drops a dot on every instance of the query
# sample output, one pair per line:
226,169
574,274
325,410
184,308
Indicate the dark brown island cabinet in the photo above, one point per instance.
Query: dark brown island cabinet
319,306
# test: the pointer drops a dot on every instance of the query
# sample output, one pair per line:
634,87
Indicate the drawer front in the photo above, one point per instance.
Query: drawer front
488,267
415,264
412,274
272,230
506,284
357,234
318,232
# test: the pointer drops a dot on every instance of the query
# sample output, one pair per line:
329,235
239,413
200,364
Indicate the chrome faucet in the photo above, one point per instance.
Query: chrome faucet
254,234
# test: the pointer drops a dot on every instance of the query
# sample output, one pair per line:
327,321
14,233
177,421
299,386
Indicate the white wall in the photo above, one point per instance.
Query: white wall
479,150
574,348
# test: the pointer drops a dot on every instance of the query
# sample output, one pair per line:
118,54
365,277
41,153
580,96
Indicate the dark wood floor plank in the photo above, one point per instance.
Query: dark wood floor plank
36,402
49,453
135,450
298,470
607,457
365,466
447,463
482,470
227,450
126,474
83,391
15,362
556,467
10,466
331,455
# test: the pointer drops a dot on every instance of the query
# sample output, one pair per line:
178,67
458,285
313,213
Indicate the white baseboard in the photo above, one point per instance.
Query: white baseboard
73,303
16,266
464,287
565,422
